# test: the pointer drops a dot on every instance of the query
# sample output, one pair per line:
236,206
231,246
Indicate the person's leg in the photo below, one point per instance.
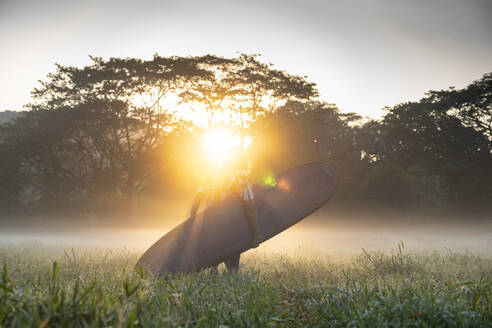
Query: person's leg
232,263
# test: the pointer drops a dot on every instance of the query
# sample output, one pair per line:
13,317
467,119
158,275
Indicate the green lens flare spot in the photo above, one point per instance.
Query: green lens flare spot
270,181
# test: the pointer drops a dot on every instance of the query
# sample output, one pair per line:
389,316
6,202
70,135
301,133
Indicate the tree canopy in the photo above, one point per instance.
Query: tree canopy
117,129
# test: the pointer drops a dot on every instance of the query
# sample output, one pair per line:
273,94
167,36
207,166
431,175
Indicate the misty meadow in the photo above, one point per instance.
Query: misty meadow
277,164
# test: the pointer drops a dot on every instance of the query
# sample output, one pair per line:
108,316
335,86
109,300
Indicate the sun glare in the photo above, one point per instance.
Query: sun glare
220,144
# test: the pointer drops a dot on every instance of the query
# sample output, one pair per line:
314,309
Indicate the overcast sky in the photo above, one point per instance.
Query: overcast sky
363,55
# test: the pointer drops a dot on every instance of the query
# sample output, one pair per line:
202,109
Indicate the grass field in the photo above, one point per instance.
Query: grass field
89,287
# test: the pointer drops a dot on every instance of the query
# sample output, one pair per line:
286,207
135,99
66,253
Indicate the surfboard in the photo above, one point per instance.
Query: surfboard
222,230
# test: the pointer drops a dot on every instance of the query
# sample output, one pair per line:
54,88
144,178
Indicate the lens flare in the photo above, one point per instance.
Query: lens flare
220,144
284,185
270,181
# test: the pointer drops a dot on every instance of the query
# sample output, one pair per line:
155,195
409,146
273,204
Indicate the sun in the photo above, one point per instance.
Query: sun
221,144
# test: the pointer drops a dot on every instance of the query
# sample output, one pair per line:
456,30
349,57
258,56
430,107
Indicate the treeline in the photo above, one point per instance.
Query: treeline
109,137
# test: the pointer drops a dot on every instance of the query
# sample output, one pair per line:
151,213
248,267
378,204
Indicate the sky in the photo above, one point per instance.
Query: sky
363,55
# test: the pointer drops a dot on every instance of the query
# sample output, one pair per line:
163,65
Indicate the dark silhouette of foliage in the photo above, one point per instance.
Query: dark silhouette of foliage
390,185
95,132
245,87
102,135
471,105
432,134
85,137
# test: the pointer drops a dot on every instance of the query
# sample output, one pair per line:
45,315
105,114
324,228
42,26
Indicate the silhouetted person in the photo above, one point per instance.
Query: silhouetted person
231,178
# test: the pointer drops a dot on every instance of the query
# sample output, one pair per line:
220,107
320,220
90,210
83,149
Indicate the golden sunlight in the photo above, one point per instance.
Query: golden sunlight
221,143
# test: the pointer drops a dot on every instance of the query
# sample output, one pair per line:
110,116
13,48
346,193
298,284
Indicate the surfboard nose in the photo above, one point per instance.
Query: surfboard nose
298,193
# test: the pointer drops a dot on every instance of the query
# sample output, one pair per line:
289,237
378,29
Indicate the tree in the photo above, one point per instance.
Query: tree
390,185
8,115
95,132
241,90
451,144
471,105
92,130
302,132
11,186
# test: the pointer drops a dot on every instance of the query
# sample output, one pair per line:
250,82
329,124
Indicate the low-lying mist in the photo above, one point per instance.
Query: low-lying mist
322,232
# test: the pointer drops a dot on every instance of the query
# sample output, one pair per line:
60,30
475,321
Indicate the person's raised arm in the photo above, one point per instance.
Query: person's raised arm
196,202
